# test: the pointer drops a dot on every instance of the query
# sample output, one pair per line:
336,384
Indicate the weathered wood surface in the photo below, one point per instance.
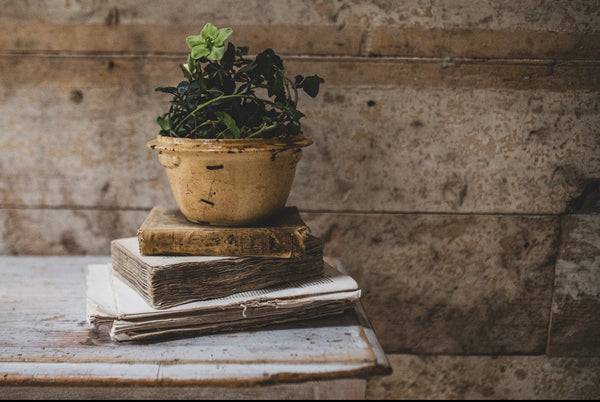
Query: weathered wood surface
449,150
488,378
560,15
449,284
489,149
463,108
575,320
65,231
345,389
142,73
297,39
377,149
527,29
500,270
47,340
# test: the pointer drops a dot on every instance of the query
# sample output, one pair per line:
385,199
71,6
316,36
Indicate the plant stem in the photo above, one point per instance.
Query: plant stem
225,97
219,98
262,130
206,123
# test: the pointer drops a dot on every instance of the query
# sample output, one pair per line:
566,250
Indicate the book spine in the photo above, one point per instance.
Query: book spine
131,270
270,243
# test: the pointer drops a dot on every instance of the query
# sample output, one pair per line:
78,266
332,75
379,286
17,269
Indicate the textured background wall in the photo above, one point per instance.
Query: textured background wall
455,164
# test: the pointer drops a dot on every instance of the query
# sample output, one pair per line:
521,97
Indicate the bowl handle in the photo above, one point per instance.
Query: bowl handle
169,160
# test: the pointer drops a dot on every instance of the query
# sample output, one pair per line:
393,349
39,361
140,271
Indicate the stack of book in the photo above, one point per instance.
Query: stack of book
177,278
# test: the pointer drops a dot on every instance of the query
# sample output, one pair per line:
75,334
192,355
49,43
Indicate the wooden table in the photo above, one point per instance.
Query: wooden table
48,349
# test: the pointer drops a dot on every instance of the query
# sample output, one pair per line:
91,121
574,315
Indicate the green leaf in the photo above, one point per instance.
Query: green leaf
278,84
163,122
222,35
202,83
248,68
229,122
200,51
228,57
242,50
293,113
293,128
267,62
183,87
310,85
209,31
186,72
191,65
195,40
169,90
216,53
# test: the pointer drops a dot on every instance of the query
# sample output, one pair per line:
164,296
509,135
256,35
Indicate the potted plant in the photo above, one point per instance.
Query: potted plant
231,138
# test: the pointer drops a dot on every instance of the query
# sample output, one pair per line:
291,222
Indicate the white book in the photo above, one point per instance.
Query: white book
111,301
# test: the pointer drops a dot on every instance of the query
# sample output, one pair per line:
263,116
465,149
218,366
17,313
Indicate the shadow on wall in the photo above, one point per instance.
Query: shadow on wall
588,202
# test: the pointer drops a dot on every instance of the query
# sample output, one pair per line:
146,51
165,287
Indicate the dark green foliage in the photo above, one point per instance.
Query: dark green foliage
231,96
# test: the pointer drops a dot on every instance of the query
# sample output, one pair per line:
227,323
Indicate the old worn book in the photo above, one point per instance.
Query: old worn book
167,232
167,281
114,303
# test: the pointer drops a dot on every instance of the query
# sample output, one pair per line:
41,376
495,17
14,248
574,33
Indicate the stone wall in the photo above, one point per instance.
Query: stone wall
455,169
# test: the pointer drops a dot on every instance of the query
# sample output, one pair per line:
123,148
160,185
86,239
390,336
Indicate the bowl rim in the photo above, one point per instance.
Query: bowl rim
175,144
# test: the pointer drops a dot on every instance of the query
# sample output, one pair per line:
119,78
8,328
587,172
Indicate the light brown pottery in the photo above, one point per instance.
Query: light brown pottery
236,182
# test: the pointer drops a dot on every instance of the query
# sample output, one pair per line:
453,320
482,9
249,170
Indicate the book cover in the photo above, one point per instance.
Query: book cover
114,303
167,232
167,281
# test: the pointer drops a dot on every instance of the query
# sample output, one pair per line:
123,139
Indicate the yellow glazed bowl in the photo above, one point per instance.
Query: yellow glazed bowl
237,182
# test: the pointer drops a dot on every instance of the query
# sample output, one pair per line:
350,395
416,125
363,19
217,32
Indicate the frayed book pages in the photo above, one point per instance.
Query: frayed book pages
112,302
168,281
